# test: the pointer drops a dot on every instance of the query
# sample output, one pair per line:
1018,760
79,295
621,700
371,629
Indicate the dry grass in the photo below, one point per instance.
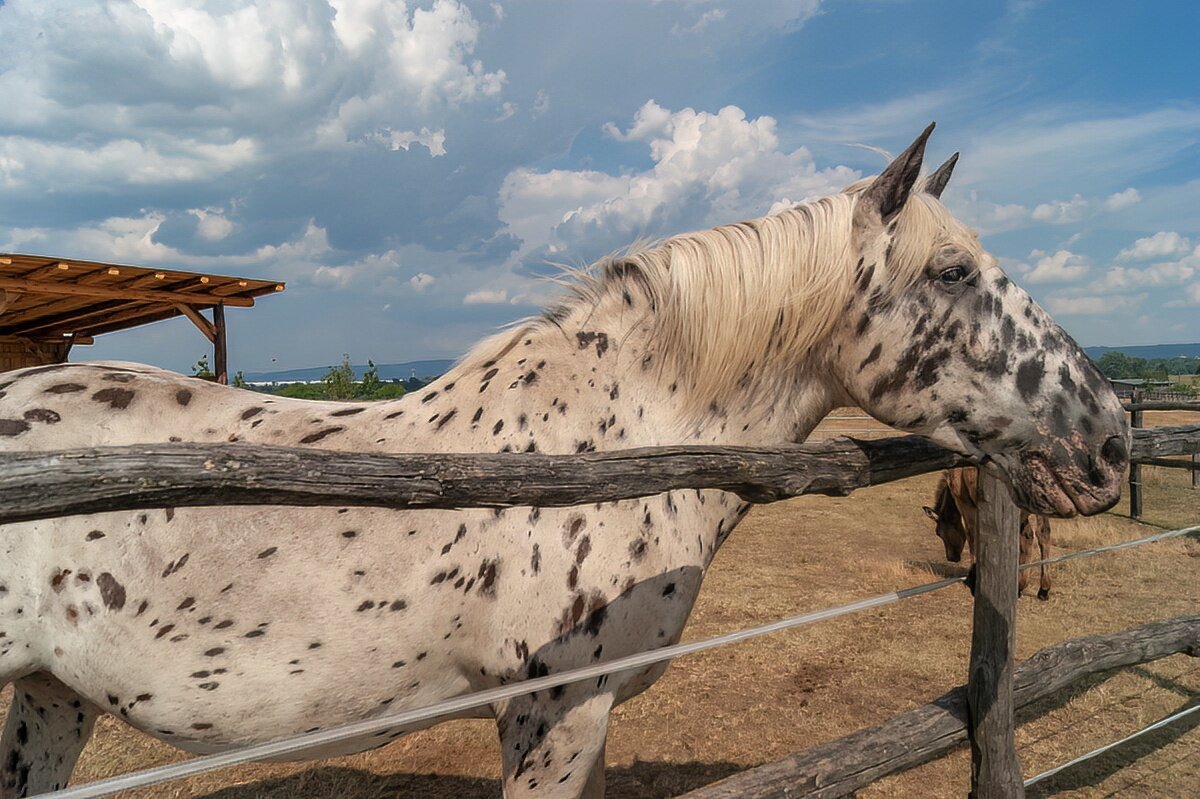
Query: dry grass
721,711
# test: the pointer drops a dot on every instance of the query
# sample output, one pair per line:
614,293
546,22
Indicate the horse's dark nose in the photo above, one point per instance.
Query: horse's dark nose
1115,452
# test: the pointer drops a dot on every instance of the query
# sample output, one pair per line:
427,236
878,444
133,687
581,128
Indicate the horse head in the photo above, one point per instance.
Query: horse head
949,525
937,340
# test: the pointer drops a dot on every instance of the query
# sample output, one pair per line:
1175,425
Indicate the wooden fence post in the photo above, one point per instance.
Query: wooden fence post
1195,470
995,770
1135,469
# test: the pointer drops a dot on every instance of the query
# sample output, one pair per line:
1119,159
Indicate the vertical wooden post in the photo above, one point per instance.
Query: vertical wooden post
1195,470
220,359
995,769
1135,469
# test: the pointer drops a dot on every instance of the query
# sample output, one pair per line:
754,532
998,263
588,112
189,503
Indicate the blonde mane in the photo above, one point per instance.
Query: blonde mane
746,301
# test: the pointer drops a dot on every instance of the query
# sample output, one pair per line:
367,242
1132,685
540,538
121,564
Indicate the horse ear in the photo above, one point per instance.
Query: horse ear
887,194
935,184
930,512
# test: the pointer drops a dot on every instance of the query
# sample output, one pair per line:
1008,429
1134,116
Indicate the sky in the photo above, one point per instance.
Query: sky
414,170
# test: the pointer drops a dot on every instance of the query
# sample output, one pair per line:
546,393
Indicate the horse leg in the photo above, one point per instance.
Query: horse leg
553,748
1025,553
1043,537
48,726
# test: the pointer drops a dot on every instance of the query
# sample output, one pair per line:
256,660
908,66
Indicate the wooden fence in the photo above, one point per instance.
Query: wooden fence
50,484
1146,401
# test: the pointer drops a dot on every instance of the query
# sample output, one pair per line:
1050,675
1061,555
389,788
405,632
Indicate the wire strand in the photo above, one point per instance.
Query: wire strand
1096,752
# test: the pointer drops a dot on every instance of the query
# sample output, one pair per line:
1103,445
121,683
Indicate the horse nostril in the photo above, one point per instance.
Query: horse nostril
1115,452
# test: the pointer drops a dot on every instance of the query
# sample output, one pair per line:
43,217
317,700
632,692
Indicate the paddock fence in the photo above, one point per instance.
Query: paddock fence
981,713
1142,401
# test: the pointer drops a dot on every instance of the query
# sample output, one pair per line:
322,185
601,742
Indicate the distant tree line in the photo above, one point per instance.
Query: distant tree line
1118,365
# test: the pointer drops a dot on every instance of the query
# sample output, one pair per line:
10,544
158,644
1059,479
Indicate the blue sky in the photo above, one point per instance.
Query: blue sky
409,168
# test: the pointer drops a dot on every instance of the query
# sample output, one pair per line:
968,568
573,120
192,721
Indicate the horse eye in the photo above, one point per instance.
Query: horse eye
954,274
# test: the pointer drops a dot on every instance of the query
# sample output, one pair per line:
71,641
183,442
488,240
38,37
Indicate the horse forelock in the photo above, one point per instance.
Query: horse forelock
752,299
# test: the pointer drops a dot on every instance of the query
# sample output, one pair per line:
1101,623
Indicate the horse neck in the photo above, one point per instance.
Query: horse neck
597,380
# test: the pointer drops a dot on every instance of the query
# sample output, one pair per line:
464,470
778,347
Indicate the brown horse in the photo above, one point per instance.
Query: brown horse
955,510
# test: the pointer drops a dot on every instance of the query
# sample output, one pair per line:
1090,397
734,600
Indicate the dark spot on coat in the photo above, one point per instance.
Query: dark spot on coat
446,418
111,592
13,427
65,388
872,356
117,398
320,434
348,411
268,552
94,535
44,415
175,565
1029,377
487,578
183,396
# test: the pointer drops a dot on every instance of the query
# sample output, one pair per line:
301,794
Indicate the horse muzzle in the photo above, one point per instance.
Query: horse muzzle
1071,478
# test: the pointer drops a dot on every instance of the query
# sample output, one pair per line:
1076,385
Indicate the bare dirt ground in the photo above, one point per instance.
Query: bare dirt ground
719,712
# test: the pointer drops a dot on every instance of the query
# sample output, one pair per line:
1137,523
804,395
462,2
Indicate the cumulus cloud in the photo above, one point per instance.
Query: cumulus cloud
288,76
212,224
432,140
1062,212
1164,244
486,297
707,169
1122,199
421,281
1062,266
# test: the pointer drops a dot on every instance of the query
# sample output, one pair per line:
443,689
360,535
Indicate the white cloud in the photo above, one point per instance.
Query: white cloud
1122,199
708,169
222,86
1164,244
212,224
1165,273
432,140
707,18
1062,266
421,281
541,103
486,297
1062,212
1088,306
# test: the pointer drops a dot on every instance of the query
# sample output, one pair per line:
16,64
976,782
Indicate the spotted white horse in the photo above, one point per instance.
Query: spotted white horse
213,628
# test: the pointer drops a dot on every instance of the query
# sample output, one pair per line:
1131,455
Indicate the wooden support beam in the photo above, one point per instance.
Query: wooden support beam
78,318
206,327
49,287
220,357
995,770
65,309
1135,470
841,767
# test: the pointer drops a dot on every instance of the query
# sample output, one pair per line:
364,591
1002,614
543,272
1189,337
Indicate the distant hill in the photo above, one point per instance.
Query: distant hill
1149,351
386,371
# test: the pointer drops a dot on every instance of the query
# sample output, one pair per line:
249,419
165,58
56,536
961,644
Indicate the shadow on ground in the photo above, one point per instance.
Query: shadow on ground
640,780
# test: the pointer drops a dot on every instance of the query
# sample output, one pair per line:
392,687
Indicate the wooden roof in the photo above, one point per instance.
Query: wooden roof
43,297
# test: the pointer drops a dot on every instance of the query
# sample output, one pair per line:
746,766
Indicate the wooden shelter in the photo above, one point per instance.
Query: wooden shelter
48,305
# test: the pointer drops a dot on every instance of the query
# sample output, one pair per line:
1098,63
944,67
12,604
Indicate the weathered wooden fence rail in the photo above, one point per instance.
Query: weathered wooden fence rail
840,767
48,484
